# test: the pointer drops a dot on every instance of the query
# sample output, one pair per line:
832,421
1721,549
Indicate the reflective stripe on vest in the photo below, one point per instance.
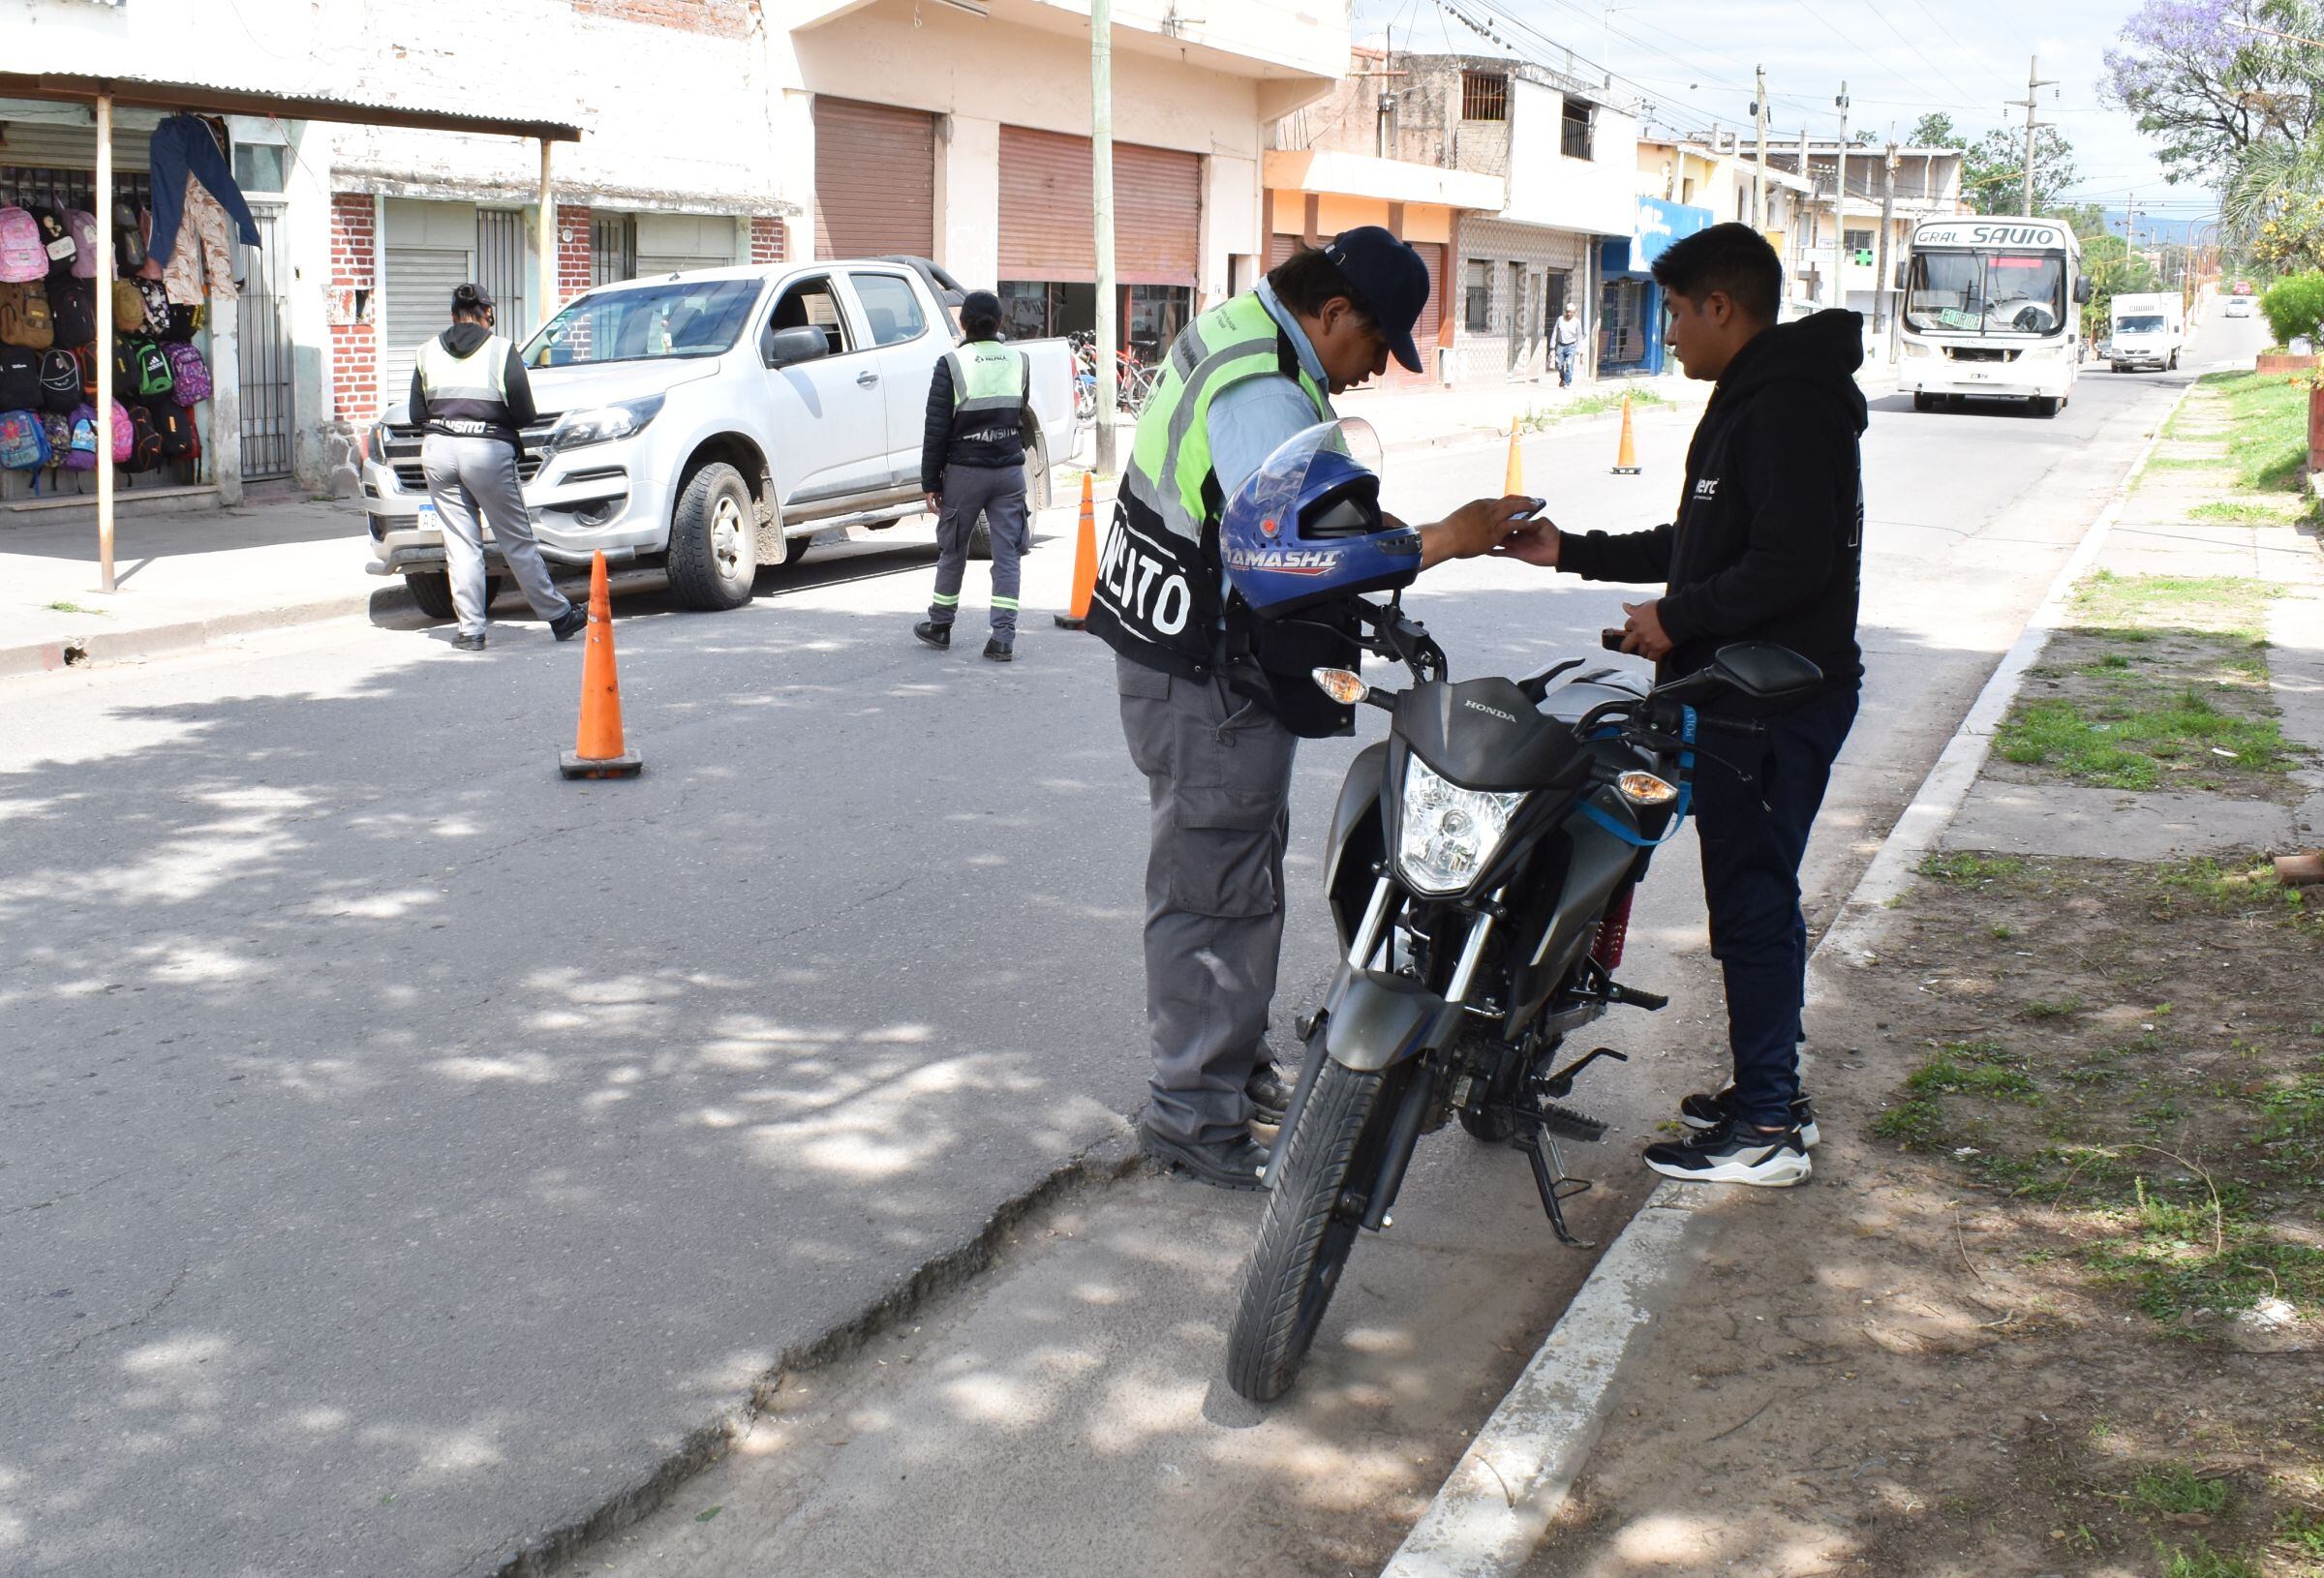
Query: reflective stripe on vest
1158,597
474,385
988,377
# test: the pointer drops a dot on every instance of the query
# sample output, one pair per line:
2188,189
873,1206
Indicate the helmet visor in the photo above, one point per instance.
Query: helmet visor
1271,497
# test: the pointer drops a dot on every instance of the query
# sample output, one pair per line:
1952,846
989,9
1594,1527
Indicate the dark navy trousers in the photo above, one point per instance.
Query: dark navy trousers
1753,836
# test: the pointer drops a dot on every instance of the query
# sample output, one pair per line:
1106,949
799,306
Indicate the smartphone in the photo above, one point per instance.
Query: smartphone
1610,640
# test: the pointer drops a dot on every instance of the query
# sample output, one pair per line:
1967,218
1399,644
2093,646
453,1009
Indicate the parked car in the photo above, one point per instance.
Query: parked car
2239,306
709,423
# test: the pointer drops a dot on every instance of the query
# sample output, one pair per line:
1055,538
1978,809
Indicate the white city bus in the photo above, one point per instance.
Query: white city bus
1989,309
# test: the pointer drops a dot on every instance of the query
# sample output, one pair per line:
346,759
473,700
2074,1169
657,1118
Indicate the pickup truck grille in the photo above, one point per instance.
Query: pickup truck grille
403,452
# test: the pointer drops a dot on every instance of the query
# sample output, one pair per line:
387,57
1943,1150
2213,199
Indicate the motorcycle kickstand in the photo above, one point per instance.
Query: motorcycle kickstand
1542,1152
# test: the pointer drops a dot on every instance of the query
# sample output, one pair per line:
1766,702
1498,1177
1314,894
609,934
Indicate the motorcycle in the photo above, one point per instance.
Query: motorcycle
1480,873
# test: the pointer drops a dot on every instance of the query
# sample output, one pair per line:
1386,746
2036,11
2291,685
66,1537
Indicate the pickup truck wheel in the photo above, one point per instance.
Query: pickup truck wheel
432,590
980,539
1923,401
714,540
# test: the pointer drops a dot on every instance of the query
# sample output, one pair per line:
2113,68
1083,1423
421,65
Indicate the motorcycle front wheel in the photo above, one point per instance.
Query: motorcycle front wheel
1311,1224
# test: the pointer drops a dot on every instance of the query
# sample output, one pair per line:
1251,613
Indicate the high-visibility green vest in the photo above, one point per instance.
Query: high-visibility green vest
988,377
1158,597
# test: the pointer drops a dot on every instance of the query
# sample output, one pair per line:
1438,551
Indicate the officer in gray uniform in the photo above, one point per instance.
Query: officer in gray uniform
1213,710
469,387
972,445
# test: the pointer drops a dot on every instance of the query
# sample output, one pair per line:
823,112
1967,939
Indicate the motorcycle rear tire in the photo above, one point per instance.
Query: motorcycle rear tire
1309,1228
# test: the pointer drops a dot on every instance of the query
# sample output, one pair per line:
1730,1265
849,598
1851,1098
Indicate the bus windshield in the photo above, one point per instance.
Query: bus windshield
1986,293
669,317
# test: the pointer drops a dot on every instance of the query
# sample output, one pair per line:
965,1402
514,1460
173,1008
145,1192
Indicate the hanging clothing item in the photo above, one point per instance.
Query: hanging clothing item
204,241
182,147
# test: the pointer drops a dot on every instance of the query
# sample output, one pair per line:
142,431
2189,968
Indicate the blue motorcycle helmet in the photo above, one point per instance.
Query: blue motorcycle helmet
1307,529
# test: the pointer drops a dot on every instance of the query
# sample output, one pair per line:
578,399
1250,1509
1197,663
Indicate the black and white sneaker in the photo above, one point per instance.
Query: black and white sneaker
1734,1152
1699,1111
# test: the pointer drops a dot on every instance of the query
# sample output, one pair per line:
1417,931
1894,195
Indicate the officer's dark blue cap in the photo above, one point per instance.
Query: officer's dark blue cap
1390,278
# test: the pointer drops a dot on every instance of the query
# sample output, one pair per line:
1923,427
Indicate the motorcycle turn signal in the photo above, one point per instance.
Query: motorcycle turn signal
1346,687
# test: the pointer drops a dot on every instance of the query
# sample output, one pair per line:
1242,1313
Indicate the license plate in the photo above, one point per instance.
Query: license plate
427,520
1980,377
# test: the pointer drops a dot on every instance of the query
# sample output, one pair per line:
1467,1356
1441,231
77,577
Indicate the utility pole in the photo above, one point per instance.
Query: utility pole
1880,286
1101,191
1840,205
2034,83
1758,173
1803,251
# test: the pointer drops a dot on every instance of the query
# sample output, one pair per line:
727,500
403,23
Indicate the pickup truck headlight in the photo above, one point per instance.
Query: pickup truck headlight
602,424
1448,833
375,441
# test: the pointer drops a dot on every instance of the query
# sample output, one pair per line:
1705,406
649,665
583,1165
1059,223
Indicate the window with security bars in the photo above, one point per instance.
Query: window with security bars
1478,316
1484,96
1576,130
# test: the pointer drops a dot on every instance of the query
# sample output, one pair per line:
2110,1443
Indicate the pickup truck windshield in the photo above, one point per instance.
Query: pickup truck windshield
1976,292
644,323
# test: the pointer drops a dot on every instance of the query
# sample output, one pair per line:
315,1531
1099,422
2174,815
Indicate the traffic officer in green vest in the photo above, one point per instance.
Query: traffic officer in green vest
469,387
1214,707
972,462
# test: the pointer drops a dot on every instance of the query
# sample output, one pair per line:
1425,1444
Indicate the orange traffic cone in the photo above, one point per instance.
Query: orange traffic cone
1084,559
598,751
1625,457
1512,481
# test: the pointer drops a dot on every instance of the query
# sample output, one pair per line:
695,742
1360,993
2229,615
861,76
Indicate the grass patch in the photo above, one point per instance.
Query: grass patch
2243,510
2128,742
2228,605
2178,1489
2200,1561
1973,1068
2267,417
2238,891
1536,418
66,606
1968,869
2189,463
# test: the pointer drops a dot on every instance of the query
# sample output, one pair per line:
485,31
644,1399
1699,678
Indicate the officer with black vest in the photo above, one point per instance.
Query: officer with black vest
468,386
1214,704
972,462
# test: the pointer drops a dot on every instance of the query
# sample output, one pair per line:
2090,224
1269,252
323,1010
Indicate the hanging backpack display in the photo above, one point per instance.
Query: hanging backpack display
60,381
24,319
190,375
80,453
19,379
58,427
185,322
86,358
22,257
157,308
175,425
129,244
84,228
73,306
24,441
144,441
140,369
114,441
128,306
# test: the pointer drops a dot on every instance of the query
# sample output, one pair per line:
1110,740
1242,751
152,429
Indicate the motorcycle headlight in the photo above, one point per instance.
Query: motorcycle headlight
1448,833
603,423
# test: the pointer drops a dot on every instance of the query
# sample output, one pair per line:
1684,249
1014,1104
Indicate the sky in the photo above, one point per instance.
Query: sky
1692,59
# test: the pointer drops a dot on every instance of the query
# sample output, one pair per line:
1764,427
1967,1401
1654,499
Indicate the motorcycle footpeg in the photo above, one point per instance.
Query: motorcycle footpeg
1573,1125
1636,996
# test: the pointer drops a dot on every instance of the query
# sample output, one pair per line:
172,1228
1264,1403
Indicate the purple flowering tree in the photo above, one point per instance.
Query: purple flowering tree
2208,91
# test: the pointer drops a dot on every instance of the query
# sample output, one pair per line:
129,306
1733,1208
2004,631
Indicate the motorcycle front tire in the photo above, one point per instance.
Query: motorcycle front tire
1309,1227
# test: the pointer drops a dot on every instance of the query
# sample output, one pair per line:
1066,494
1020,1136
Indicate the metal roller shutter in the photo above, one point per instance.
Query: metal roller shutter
876,180
419,287
1045,195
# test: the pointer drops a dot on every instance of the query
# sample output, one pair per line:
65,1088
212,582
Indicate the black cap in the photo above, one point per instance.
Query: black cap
471,298
981,304
1390,278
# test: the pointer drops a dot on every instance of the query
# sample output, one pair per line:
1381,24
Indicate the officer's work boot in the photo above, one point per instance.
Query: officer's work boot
932,634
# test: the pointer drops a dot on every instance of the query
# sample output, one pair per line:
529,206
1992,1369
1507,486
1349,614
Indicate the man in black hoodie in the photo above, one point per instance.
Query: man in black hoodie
1767,546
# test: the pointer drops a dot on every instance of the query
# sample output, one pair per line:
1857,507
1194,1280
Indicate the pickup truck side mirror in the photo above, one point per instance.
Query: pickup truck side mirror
785,347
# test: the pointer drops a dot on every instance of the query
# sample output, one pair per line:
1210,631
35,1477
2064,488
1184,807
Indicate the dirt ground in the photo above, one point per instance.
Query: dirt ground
2054,1302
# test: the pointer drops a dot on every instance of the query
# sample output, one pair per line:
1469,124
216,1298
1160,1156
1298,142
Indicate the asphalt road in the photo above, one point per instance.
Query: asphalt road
402,1150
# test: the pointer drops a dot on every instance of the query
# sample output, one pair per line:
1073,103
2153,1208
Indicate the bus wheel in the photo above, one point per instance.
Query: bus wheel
2044,405
1922,401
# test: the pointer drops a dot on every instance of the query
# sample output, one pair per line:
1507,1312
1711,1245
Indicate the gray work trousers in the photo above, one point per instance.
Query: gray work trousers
469,477
1218,773
997,493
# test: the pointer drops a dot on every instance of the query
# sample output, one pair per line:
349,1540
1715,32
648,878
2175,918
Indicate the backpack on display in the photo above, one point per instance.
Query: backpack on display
57,239
144,441
73,306
19,379
24,441
140,371
185,322
115,439
59,429
85,358
80,453
175,425
128,306
84,228
23,257
189,374
129,244
157,308
60,381
24,319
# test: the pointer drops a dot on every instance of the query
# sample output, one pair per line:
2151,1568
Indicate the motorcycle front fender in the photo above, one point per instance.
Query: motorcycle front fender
1378,1020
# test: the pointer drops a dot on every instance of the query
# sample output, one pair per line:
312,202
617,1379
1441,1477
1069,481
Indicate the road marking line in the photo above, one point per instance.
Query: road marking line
1491,1511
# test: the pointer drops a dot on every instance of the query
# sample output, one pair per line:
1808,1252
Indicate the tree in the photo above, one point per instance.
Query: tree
1935,130
2112,269
1993,172
2208,90
2088,219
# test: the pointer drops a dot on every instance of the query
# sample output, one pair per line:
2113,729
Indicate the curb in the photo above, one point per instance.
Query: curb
1493,1508
114,645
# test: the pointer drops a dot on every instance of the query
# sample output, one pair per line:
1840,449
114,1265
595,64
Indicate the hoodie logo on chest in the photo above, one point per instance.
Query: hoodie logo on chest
1706,487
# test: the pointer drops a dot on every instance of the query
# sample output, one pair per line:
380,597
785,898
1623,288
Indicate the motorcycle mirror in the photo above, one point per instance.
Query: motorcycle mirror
1764,670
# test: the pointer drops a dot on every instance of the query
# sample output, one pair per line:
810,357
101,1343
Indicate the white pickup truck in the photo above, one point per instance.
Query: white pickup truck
712,422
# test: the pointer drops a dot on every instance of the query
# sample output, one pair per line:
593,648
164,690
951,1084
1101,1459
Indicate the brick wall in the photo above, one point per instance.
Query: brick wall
573,253
768,243
730,18
353,309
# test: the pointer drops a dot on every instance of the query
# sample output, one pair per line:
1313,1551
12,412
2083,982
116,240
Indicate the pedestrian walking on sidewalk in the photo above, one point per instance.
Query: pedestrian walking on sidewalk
1214,702
1565,340
980,414
1767,545
469,387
